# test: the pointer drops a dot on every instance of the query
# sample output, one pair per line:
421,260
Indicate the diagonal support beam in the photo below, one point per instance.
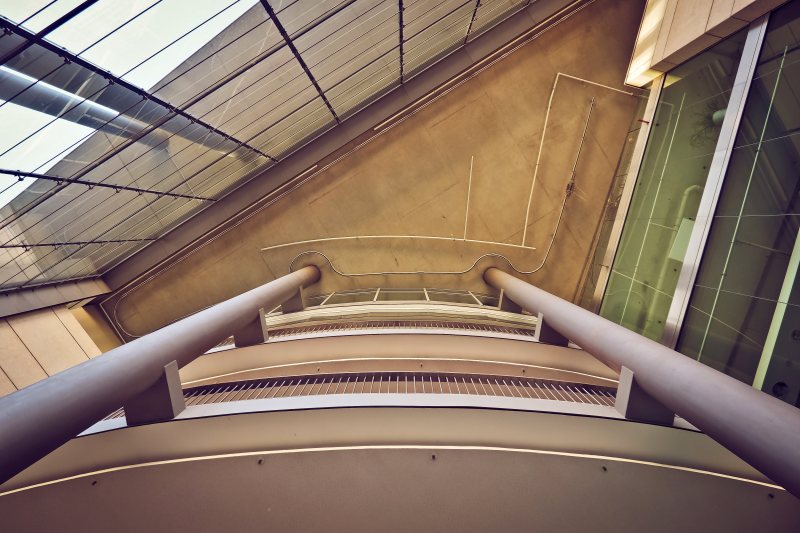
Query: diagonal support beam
760,429
63,19
298,57
402,28
36,420
27,247
173,111
58,180
472,20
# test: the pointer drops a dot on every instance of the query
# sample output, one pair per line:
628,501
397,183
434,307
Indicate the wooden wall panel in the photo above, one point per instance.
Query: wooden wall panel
6,387
16,360
39,344
48,340
78,333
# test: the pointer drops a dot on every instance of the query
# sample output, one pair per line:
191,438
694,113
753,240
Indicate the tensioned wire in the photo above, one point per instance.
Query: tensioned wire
290,186
170,137
342,80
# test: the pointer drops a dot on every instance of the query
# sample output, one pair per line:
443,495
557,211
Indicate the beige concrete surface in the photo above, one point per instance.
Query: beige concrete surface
396,469
413,181
97,327
39,344
673,31
444,352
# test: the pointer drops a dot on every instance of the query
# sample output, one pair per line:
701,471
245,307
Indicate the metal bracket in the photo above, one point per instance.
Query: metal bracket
162,401
506,304
293,304
253,333
547,335
636,404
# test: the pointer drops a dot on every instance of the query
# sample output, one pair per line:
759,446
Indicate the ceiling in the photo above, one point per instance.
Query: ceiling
129,120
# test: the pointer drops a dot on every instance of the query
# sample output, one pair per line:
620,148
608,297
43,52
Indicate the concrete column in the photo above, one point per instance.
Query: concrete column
760,429
38,419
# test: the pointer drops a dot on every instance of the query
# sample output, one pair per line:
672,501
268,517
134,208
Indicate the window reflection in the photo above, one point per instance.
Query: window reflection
671,180
744,315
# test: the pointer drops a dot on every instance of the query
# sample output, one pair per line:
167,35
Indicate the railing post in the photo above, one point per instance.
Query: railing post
163,400
293,304
760,429
546,334
38,419
635,404
255,332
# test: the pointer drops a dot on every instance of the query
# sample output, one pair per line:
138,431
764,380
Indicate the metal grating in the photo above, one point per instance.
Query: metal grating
398,324
397,383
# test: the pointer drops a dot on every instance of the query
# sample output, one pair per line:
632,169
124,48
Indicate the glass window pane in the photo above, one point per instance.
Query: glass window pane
741,305
669,187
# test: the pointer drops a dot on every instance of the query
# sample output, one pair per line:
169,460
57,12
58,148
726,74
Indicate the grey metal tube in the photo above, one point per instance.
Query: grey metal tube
38,419
760,429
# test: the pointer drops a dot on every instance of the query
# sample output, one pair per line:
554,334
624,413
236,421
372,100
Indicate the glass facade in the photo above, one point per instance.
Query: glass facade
744,312
671,180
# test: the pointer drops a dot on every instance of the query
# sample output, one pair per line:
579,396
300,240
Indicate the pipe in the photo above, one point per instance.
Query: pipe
38,419
760,429
26,91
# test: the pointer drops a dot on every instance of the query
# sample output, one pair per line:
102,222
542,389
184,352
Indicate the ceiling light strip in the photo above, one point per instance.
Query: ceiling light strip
235,455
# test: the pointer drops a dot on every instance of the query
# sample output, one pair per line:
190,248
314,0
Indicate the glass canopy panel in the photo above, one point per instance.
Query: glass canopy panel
744,310
492,12
437,39
76,264
165,32
122,150
364,35
266,94
421,15
366,84
249,40
36,15
293,131
297,16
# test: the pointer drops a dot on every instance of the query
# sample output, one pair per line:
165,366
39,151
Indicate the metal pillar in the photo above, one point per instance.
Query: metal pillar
760,429
38,419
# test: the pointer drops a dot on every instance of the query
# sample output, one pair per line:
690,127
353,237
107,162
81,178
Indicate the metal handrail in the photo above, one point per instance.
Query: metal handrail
396,382
38,419
760,429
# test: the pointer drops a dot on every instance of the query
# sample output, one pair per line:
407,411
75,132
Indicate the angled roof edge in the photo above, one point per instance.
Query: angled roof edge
239,203
325,148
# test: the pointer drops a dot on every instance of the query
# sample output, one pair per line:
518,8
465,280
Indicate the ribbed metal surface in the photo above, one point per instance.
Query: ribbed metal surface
397,383
395,324
388,324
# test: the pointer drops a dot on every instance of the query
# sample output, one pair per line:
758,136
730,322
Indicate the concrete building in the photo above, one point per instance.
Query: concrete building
361,265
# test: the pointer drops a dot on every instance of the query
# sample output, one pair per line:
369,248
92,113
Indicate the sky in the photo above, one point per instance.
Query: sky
168,30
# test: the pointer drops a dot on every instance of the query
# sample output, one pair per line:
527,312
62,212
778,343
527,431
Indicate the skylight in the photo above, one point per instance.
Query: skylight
140,41
152,110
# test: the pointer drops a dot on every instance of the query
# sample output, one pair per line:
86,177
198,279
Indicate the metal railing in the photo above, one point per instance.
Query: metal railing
396,383
367,325
760,429
399,324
